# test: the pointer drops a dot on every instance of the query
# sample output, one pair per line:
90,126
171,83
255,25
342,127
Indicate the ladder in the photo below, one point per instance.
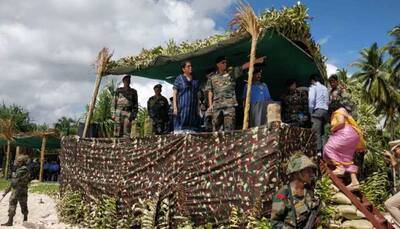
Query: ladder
361,202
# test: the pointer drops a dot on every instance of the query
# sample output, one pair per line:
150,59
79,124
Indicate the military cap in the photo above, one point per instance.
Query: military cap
394,144
299,162
157,86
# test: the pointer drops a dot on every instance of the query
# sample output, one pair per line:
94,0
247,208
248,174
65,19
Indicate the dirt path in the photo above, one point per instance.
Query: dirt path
42,213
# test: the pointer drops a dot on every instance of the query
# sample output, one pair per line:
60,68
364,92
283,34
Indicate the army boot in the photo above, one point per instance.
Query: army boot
26,217
9,222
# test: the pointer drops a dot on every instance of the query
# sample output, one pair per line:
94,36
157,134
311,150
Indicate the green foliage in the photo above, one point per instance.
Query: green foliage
102,214
66,126
3,184
234,219
142,116
374,188
71,207
18,115
102,115
324,192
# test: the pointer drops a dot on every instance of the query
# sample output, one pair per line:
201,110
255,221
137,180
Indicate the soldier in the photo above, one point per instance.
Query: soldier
338,92
295,105
124,108
221,93
294,203
158,110
19,190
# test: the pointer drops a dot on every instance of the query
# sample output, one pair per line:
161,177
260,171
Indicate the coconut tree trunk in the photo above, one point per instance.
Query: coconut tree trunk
44,142
249,82
8,157
92,104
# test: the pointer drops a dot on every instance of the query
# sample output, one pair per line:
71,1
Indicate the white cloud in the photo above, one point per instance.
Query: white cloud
47,47
323,40
331,69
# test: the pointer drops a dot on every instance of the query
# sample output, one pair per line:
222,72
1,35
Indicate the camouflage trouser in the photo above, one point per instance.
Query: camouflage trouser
22,198
159,126
122,126
224,119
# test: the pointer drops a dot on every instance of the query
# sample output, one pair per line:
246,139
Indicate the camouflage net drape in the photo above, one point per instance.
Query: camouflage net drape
204,174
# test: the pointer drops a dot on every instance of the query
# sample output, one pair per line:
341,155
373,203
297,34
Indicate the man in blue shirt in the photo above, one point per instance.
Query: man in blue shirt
318,102
259,99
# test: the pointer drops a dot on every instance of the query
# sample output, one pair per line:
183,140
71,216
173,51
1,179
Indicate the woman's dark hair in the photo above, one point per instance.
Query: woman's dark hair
333,77
290,82
183,64
335,105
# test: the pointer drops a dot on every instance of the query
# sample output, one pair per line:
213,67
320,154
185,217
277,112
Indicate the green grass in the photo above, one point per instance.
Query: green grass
49,188
3,184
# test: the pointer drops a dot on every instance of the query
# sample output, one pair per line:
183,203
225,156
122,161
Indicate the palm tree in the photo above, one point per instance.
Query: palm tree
374,73
394,49
66,126
102,110
342,75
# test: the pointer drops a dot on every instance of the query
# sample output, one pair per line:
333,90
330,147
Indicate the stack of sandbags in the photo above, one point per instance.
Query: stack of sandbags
346,214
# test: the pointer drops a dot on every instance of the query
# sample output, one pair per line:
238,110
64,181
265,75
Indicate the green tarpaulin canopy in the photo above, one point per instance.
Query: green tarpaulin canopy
34,142
285,60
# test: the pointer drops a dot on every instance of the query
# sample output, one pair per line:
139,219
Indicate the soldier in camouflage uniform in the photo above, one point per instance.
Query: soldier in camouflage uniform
124,108
221,93
158,108
293,203
338,92
19,189
295,105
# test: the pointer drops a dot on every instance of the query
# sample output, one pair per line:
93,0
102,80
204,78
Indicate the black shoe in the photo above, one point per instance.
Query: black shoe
25,218
9,223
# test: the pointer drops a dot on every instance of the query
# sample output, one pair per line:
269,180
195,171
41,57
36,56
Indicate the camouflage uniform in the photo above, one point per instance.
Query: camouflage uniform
290,211
341,94
295,108
158,111
224,98
19,190
124,109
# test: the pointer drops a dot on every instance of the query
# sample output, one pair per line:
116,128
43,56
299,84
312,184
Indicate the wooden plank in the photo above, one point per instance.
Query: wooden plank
375,217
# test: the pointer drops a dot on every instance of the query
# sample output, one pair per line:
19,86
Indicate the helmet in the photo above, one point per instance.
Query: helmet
299,162
22,159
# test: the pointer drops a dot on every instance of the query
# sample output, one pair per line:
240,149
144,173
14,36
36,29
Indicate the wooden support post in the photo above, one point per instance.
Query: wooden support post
44,142
92,104
17,151
8,157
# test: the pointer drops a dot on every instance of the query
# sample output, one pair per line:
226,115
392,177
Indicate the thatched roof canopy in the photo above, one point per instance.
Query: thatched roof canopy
285,40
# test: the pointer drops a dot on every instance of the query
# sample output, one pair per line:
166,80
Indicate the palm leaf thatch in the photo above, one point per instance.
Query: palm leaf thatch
292,22
102,61
248,22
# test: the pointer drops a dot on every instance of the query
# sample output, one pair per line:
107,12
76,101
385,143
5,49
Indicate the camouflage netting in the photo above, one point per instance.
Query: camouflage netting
203,174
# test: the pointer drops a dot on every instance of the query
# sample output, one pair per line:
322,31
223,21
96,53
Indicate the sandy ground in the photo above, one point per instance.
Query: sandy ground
42,213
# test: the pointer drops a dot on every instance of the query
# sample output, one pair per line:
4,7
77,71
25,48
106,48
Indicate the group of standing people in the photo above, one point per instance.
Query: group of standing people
191,102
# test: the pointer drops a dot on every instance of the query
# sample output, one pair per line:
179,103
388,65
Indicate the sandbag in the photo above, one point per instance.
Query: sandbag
340,198
349,212
357,224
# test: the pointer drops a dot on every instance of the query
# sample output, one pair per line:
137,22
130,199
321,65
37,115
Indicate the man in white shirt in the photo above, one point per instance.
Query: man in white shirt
318,102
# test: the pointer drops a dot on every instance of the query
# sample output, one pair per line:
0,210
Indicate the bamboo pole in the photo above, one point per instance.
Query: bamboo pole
92,104
101,65
44,142
249,82
17,151
7,159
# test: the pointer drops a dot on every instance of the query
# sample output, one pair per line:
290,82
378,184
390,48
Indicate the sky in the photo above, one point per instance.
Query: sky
48,47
